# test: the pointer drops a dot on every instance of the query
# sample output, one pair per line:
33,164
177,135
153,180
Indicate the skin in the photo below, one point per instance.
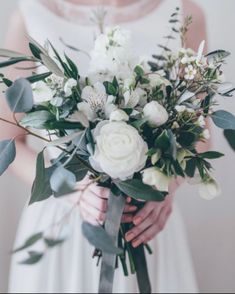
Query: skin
152,218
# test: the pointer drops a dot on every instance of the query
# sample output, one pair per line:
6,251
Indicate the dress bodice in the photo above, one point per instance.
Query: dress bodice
147,30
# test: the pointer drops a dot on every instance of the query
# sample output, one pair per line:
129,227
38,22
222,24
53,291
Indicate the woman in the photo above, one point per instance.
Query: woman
70,267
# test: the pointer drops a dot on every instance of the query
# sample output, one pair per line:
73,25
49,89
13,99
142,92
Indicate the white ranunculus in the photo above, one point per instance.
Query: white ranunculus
152,176
119,115
69,85
155,113
119,151
41,92
209,190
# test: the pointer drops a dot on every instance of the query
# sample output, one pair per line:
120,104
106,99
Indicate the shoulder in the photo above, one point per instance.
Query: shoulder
197,31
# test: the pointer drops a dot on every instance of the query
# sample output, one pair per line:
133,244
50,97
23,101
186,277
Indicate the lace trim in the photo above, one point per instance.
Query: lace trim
82,13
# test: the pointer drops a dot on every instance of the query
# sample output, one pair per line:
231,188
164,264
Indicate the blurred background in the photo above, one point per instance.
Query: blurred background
210,225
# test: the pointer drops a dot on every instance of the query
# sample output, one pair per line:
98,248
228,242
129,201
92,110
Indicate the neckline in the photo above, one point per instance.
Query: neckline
82,14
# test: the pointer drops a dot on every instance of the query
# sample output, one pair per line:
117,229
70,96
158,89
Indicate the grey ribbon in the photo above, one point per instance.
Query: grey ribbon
116,206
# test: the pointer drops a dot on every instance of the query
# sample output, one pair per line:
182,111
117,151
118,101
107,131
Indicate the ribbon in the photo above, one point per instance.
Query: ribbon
116,205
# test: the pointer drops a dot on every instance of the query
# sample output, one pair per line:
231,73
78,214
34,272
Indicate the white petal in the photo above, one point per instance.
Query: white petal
200,50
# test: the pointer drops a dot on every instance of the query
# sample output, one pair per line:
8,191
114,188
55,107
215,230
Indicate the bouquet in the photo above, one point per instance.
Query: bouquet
132,124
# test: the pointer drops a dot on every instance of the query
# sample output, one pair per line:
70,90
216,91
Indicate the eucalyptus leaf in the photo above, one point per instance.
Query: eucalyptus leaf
52,65
62,181
38,77
135,188
19,96
99,238
30,242
224,119
36,119
53,242
12,61
230,137
34,257
7,154
79,169
211,154
65,139
218,54
41,189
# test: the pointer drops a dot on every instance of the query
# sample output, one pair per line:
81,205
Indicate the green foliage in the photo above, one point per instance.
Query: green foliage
19,96
136,189
211,155
30,242
99,238
7,154
230,137
38,77
224,119
62,181
37,119
34,257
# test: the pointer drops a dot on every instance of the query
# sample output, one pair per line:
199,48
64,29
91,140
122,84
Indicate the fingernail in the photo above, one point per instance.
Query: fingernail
137,220
136,243
128,200
129,236
133,208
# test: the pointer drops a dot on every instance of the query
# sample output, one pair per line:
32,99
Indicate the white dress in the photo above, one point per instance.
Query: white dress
70,267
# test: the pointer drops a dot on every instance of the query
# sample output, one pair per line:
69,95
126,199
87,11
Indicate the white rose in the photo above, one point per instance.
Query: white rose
118,115
154,177
155,113
41,92
120,151
209,190
69,85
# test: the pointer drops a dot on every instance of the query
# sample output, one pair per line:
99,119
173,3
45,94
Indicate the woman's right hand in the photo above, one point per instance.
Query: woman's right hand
93,203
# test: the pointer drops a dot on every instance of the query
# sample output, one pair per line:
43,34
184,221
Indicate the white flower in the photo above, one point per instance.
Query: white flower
201,121
132,98
118,115
180,108
156,156
96,104
175,125
182,157
154,177
157,79
41,92
190,72
69,85
206,134
155,113
209,190
119,151
79,116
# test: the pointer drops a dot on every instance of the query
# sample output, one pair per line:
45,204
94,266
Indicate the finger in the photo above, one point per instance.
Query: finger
95,213
146,236
163,217
146,210
130,208
95,201
102,192
139,229
127,218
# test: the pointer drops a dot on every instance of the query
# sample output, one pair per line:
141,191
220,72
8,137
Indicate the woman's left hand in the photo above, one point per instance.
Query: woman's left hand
149,221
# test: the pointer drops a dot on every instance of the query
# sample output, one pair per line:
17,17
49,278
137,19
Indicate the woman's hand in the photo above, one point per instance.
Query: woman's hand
93,202
149,221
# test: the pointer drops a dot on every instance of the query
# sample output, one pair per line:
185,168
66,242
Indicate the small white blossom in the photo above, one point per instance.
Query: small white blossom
180,108
206,134
69,85
190,72
42,92
201,121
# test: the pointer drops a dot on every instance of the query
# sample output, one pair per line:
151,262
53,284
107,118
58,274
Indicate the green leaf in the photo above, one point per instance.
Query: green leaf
163,141
230,137
7,82
36,119
224,119
138,190
62,181
39,77
53,242
110,88
14,61
211,155
73,67
206,102
77,168
139,123
178,169
41,189
7,154
191,167
52,65
19,96
63,125
139,71
35,50
218,54
30,242
34,257
99,238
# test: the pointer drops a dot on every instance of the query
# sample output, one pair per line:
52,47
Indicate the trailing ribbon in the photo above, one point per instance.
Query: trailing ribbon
116,206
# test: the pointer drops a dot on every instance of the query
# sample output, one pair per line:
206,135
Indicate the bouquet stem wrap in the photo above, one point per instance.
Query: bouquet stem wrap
112,225
116,207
